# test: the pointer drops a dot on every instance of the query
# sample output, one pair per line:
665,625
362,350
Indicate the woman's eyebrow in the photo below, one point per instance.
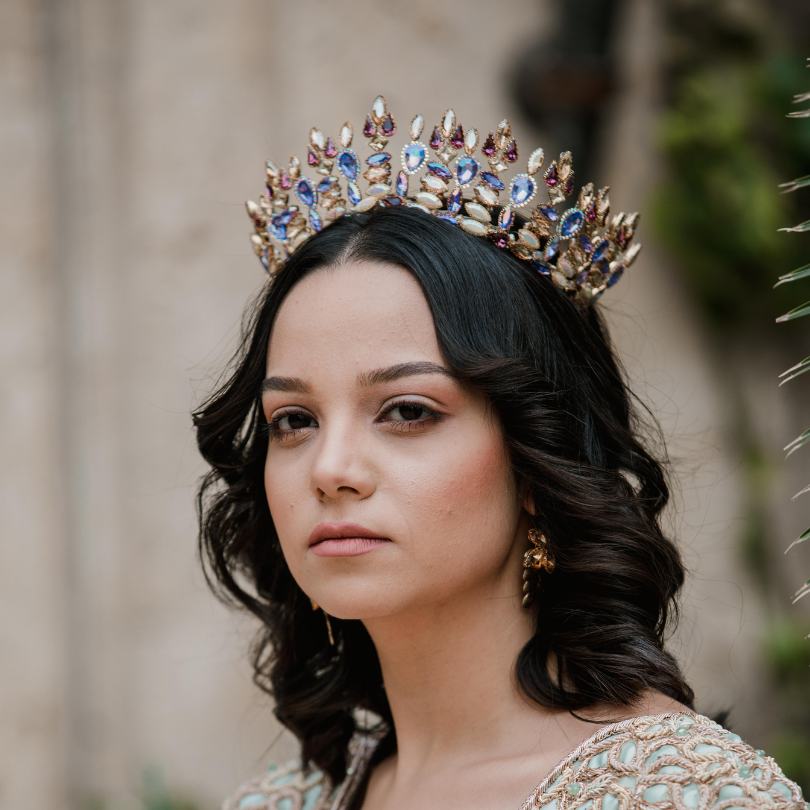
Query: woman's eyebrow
364,379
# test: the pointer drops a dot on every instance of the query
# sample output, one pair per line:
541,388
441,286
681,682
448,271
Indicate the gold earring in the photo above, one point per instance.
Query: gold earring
536,558
328,624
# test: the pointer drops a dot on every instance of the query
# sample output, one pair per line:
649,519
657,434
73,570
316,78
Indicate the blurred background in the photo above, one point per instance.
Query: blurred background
131,133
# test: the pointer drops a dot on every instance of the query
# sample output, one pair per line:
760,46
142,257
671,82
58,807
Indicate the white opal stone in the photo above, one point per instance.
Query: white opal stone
473,226
528,238
428,200
416,126
478,212
378,190
448,123
378,107
471,140
346,135
630,256
434,184
316,138
365,204
487,195
536,160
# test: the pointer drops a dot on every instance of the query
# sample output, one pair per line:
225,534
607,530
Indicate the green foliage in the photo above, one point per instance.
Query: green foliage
716,210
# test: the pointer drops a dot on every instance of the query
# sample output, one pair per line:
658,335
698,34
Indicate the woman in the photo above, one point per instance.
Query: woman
429,484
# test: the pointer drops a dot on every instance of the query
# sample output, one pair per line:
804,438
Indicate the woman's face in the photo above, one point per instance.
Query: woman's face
416,458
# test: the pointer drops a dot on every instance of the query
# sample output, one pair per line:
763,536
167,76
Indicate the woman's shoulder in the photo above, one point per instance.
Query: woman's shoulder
676,759
282,786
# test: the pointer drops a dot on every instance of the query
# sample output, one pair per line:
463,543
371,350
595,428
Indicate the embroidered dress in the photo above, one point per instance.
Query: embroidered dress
671,761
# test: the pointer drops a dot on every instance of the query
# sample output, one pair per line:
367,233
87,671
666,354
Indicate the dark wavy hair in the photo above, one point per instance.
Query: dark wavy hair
574,440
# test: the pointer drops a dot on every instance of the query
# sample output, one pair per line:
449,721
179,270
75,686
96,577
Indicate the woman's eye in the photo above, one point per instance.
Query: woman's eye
413,415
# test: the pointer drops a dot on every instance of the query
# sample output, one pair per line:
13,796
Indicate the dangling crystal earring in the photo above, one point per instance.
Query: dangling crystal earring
328,625
536,558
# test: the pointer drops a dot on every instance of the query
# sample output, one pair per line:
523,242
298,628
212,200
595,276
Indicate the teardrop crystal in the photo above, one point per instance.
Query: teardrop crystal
536,160
316,138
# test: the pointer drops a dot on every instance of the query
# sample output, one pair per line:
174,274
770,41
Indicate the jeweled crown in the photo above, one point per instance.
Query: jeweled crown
580,247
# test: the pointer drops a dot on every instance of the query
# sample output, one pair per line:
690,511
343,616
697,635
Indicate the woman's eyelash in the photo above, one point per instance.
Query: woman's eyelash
271,427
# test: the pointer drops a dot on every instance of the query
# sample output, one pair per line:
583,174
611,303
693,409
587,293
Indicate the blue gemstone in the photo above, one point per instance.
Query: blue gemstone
326,184
347,163
402,184
492,180
285,217
378,159
571,223
354,193
277,227
305,192
466,169
505,219
446,216
549,213
585,244
602,265
265,261
542,268
414,155
600,250
439,169
523,187
315,220
617,274
389,201
552,250
454,201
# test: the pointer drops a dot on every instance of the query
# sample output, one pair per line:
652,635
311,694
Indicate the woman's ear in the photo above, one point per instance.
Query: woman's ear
528,502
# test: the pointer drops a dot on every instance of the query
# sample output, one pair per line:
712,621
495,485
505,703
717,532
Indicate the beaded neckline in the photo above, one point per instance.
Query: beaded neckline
368,741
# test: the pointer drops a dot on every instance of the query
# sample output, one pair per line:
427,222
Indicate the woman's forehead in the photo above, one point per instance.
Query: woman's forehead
358,308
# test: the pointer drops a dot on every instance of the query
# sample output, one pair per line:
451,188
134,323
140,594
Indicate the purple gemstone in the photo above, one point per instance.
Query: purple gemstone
368,128
457,138
388,125
511,153
312,158
569,185
285,181
331,149
500,241
551,176
489,145
439,169
590,213
435,139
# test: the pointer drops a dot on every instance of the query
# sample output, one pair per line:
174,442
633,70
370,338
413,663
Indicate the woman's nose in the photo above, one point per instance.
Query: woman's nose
341,466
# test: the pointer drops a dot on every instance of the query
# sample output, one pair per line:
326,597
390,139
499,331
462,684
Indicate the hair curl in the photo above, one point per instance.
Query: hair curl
549,370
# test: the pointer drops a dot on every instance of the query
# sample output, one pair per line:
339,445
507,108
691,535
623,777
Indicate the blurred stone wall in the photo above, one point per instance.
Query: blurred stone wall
131,134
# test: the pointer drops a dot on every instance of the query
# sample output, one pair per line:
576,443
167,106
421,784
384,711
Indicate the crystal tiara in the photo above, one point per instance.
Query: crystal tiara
579,247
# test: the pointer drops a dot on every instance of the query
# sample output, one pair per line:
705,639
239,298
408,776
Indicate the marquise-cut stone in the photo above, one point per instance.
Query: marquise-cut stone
346,135
353,193
401,185
505,218
473,226
477,211
600,250
435,139
428,200
536,160
448,123
439,169
316,138
434,184
378,107
368,128
487,195
375,173
379,190
492,180
378,159
471,140
416,126
366,204
454,202
528,238
630,255
315,220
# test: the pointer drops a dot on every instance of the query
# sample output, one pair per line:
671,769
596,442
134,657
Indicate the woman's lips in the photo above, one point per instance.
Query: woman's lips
346,546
